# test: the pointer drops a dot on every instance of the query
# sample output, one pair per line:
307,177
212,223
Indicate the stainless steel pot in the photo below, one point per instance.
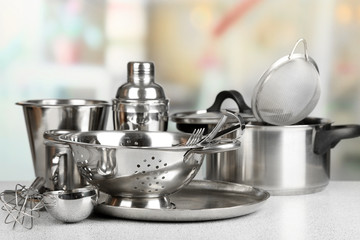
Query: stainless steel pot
287,160
284,160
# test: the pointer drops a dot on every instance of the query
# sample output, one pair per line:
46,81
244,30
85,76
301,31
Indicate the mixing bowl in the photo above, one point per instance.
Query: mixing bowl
139,165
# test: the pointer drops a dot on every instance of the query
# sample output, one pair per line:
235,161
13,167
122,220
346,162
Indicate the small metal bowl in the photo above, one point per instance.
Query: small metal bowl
71,205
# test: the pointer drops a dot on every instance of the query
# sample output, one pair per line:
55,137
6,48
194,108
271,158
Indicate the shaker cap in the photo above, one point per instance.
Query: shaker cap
140,68
140,83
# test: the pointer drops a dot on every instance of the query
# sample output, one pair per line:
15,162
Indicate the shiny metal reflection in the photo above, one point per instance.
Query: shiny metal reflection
67,114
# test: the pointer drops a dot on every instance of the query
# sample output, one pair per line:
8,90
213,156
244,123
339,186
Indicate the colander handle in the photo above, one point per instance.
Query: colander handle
218,146
211,143
216,133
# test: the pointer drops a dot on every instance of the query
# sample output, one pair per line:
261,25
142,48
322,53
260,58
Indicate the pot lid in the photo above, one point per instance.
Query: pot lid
200,117
214,113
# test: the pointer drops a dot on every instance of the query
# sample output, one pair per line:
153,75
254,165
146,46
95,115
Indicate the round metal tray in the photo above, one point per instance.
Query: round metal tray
199,201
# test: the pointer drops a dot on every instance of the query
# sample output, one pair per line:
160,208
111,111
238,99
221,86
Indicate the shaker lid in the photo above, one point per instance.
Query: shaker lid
140,84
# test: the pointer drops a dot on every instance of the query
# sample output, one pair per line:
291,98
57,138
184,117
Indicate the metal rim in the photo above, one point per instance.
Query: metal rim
183,214
65,138
317,122
78,192
183,117
71,102
218,146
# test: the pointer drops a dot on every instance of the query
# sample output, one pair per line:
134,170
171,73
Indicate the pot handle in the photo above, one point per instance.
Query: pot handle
327,139
232,94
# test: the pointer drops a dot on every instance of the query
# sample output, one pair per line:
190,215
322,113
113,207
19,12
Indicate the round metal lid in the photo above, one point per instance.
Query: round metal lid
204,117
214,112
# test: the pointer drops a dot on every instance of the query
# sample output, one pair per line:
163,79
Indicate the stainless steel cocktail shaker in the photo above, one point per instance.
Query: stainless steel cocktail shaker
140,103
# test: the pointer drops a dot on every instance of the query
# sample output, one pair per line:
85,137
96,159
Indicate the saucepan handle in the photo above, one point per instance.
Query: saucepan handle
327,139
231,94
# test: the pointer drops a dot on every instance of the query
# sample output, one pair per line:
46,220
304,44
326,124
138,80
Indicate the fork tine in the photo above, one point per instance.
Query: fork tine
191,138
198,135
201,133
195,136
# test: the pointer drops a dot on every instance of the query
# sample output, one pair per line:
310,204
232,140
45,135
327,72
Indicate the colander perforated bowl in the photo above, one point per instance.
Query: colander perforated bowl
139,165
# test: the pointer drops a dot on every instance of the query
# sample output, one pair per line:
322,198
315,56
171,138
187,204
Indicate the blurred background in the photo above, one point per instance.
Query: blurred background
80,48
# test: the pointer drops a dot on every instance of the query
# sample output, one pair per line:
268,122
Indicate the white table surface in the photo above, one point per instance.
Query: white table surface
331,214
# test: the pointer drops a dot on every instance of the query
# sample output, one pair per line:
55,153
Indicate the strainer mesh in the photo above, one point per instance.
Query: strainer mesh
288,94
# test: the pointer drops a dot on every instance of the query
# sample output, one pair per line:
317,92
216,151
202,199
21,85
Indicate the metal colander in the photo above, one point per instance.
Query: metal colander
139,165
289,91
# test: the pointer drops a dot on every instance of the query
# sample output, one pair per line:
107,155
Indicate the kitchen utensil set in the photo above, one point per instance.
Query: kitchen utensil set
139,168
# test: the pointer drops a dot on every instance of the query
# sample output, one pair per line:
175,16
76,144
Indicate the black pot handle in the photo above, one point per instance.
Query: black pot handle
327,139
234,95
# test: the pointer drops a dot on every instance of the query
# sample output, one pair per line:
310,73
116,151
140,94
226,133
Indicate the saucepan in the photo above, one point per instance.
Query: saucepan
284,160
294,159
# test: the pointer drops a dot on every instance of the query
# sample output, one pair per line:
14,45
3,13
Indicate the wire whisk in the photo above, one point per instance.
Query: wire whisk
23,204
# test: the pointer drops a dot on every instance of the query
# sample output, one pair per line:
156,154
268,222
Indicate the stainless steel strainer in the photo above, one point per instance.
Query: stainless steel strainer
288,91
140,168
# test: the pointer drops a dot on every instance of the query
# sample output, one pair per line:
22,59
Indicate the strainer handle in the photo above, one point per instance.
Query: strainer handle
305,48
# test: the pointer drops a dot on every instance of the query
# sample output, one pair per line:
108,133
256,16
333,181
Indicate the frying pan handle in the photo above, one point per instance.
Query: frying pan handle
234,95
327,139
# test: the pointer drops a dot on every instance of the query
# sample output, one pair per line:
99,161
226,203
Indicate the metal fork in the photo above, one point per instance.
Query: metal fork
195,137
